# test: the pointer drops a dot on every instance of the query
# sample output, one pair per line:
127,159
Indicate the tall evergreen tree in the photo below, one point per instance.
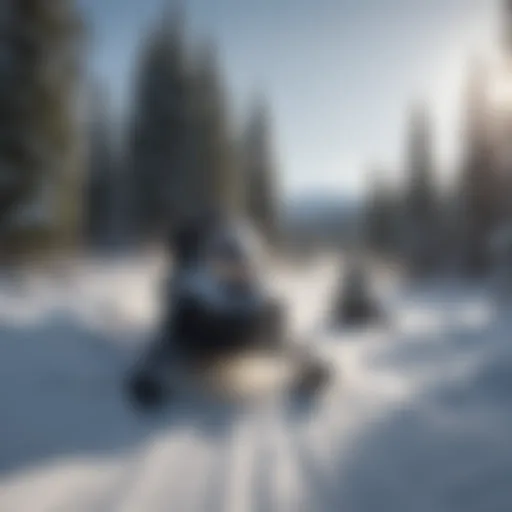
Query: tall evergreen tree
420,201
380,215
507,26
478,180
101,178
259,171
216,183
181,142
160,128
39,149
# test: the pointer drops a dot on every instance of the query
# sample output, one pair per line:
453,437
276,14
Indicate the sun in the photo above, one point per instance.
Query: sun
500,92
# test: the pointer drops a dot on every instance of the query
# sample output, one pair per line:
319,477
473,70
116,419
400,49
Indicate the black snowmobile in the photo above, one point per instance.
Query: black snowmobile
219,313
356,304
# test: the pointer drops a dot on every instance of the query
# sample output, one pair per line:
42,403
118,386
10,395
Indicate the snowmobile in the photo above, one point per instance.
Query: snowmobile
357,305
223,329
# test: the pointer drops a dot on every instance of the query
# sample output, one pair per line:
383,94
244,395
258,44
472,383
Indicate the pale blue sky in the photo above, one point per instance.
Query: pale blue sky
339,73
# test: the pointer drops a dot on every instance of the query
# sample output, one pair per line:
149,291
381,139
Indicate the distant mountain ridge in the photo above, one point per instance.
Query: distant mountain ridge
320,218
321,206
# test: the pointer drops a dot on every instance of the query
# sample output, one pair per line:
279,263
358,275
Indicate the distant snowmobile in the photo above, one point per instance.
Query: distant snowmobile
356,303
221,320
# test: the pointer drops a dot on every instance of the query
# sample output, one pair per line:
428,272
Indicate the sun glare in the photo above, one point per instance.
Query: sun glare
500,91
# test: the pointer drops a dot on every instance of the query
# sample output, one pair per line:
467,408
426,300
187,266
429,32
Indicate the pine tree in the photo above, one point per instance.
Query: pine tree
502,120
39,149
181,143
380,227
160,129
507,26
259,172
101,179
216,180
478,180
420,201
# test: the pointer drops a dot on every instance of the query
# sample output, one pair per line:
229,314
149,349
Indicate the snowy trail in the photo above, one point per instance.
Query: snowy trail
419,420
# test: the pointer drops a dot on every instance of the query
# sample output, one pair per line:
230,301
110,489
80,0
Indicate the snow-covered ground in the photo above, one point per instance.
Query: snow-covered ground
419,419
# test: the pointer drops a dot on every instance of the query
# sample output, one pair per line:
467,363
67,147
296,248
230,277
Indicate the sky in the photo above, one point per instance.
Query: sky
339,74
